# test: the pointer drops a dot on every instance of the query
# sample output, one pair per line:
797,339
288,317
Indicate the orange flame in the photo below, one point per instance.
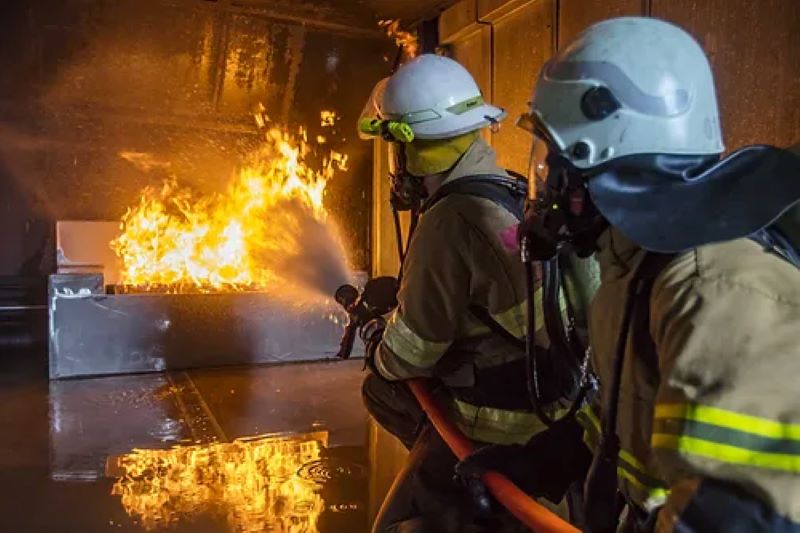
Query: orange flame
252,482
328,118
403,38
175,239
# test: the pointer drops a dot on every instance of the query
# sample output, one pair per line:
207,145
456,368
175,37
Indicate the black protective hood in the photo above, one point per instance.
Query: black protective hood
671,204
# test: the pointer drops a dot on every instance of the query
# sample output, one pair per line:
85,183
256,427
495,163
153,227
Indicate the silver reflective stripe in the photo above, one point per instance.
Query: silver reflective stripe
624,89
409,346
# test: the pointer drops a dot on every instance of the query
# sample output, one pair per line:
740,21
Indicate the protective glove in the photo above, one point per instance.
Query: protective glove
544,467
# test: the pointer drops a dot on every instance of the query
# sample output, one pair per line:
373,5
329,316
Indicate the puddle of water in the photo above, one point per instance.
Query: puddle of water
281,483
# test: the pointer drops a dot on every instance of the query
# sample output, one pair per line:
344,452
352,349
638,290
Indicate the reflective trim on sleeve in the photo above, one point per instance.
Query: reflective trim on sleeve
727,436
591,427
409,346
729,419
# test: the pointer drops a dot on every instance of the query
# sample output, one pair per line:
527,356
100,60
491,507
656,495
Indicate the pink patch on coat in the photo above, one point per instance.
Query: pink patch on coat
509,239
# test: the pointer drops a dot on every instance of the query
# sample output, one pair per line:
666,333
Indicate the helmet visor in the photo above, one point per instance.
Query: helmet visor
397,158
538,161
372,109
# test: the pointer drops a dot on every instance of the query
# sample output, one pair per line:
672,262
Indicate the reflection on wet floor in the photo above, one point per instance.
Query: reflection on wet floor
251,482
279,449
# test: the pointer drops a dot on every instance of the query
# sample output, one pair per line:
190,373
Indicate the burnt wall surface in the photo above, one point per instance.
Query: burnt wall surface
84,81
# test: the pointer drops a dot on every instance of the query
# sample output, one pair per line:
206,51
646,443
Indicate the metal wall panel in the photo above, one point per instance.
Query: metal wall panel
522,42
754,48
383,244
457,19
574,16
470,43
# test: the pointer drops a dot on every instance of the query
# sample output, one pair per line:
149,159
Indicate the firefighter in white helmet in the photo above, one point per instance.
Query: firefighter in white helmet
461,314
695,328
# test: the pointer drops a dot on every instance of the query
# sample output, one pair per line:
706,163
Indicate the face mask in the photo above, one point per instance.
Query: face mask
559,210
407,191
428,157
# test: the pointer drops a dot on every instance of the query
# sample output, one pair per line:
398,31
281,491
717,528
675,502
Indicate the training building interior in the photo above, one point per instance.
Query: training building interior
135,396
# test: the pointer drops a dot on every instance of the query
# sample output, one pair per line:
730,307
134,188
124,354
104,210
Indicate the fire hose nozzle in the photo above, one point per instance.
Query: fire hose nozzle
378,298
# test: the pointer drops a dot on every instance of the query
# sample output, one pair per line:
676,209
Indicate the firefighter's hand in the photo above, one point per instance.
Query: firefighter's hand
497,457
545,466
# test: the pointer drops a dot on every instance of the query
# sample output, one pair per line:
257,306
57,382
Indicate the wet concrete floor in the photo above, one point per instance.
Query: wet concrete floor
278,448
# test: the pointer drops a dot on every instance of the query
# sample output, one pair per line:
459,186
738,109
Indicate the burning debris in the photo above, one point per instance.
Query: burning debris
328,118
251,482
254,235
407,40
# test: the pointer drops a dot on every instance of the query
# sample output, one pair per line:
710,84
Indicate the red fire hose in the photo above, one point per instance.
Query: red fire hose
525,508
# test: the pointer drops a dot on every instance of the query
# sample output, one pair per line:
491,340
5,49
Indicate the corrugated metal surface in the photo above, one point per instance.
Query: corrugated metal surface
522,41
754,48
575,16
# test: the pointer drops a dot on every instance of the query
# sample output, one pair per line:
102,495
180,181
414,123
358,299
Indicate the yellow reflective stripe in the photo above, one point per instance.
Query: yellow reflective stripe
592,417
635,463
592,437
499,426
726,453
729,419
409,346
515,319
652,497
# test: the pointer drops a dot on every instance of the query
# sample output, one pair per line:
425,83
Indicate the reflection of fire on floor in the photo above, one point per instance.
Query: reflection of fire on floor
252,482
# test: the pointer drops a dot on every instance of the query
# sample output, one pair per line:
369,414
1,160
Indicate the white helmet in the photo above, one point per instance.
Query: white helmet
628,86
436,96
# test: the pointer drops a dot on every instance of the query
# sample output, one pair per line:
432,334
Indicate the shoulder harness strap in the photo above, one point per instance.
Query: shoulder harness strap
775,242
507,192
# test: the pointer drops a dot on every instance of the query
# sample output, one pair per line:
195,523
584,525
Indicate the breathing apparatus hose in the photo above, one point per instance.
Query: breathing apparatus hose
558,337
531,366
398,234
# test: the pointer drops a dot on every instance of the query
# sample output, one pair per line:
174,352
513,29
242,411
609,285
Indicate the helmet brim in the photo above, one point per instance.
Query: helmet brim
474,119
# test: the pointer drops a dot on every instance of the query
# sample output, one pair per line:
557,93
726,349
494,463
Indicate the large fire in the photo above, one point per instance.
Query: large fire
175,240
253,483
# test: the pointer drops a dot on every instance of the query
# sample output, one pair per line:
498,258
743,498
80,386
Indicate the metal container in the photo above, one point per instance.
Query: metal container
95,333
